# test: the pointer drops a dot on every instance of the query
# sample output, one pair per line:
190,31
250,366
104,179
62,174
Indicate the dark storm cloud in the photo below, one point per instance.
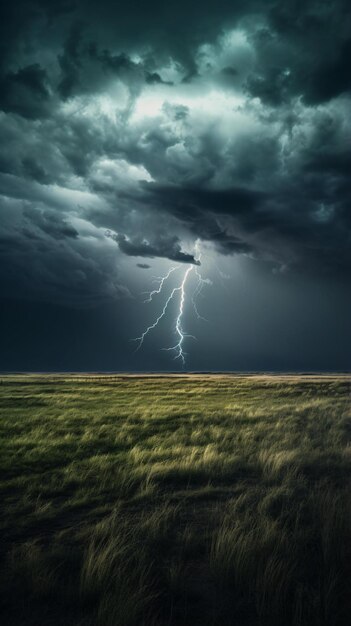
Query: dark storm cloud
25,92
86,68
122,66
224,122
43,258
322,29
186,200
302,49
70,63
51,225
164,247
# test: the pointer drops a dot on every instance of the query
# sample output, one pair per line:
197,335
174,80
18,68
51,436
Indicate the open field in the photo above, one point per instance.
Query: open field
175,500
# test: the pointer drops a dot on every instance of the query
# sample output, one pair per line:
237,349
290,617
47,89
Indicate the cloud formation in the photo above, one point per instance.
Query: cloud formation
224,122
163,247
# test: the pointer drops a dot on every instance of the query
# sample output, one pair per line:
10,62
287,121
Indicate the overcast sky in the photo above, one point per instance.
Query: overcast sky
209,136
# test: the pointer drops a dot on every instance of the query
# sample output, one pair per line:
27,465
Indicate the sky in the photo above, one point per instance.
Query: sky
206,142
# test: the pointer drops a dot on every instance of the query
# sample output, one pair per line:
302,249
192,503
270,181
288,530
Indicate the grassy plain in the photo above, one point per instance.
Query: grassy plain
175,500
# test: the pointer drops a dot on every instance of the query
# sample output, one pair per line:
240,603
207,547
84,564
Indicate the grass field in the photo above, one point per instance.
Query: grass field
175,500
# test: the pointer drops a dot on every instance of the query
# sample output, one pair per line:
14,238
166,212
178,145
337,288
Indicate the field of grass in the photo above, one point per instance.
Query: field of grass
175,500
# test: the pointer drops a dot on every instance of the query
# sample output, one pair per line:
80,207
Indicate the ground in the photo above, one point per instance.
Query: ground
175,500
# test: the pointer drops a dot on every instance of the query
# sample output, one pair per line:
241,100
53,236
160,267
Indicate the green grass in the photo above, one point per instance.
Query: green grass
175,500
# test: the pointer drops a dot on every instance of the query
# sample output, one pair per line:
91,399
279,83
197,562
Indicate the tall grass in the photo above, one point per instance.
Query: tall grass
286,555
178,501
116,576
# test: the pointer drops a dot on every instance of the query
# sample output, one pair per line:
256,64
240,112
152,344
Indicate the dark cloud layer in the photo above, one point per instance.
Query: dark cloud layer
164,247
168,123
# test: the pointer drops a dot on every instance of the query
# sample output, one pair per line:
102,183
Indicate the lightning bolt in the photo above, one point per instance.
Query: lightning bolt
161,280
162,314
177,348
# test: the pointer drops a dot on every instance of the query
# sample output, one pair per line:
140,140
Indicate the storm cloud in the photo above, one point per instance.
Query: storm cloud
229,129
167,247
